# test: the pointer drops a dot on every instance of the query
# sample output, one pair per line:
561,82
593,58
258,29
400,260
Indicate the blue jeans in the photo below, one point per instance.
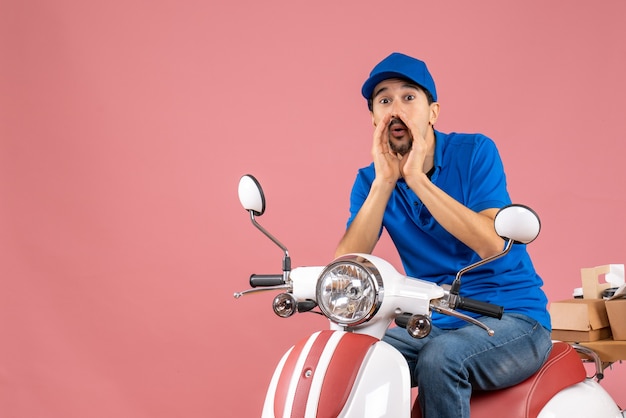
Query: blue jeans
448,364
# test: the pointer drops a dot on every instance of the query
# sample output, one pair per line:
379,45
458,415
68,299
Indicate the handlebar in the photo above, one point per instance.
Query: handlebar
479,307
265,280
467,304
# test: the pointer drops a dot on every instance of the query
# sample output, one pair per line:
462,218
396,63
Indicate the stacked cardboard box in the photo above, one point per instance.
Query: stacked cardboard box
580,320
616,311
591,318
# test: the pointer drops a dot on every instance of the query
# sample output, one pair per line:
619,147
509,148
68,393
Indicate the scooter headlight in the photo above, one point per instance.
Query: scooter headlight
349,290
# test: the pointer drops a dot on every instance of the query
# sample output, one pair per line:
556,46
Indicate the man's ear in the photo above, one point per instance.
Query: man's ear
434,112
373,120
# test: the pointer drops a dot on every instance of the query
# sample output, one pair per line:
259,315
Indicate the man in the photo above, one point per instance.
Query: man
437,194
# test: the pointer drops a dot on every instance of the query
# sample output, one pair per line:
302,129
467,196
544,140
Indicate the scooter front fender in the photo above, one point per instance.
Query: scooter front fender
338,374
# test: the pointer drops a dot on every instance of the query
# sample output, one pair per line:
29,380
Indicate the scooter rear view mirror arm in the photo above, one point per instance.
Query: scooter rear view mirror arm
286,258
456,284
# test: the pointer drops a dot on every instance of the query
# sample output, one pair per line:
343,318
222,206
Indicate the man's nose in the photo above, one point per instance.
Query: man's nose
396,105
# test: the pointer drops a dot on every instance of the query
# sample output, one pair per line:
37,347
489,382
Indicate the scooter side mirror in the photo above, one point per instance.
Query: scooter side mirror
517,222
251,195
253,200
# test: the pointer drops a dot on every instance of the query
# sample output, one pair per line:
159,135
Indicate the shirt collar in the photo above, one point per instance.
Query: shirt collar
439,143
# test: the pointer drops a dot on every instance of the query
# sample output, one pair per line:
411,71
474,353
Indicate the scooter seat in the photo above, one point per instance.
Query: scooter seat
563,368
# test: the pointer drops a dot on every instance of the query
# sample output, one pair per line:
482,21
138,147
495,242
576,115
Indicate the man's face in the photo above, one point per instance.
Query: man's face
405,101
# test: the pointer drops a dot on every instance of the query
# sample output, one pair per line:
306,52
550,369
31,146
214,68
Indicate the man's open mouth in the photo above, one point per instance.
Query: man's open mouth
397,128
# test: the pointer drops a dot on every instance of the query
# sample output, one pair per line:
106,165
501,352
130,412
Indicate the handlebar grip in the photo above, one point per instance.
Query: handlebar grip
482,308
264,280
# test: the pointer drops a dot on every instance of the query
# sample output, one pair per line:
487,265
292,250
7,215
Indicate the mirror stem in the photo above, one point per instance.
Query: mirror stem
456,285
286,258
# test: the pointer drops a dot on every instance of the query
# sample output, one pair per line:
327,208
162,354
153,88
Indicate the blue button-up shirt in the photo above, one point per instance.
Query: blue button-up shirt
468,167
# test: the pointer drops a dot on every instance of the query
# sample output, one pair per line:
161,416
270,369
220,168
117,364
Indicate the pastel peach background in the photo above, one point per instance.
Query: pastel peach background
124,129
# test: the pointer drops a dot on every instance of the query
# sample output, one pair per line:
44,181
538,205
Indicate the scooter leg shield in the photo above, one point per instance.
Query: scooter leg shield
338,374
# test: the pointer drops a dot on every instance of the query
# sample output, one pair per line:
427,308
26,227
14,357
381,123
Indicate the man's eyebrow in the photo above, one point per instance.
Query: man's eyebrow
377,92
405,85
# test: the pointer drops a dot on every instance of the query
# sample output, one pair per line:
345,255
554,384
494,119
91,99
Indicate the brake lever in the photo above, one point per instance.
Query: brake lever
441,307
237,295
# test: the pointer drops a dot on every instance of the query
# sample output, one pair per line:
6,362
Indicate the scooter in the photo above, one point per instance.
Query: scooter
347,371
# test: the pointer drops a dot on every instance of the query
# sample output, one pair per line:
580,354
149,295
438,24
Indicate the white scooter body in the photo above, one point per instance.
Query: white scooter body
381,386
307,384
312,378
584,399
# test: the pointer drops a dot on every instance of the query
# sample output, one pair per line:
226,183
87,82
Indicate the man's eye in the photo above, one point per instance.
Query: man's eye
383,101
410,97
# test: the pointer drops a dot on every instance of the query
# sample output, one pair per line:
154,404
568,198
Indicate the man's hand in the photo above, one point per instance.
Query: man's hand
386,162
412,164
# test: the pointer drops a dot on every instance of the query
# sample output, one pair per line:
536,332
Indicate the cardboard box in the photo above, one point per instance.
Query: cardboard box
609,351
616,311
579,320
592,288
581,336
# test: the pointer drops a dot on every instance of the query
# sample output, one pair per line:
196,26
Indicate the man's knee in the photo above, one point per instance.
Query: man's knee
437,356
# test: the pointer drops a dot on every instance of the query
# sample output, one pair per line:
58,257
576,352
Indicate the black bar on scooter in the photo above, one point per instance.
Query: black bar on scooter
307,305
264,280
482,308
403,319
